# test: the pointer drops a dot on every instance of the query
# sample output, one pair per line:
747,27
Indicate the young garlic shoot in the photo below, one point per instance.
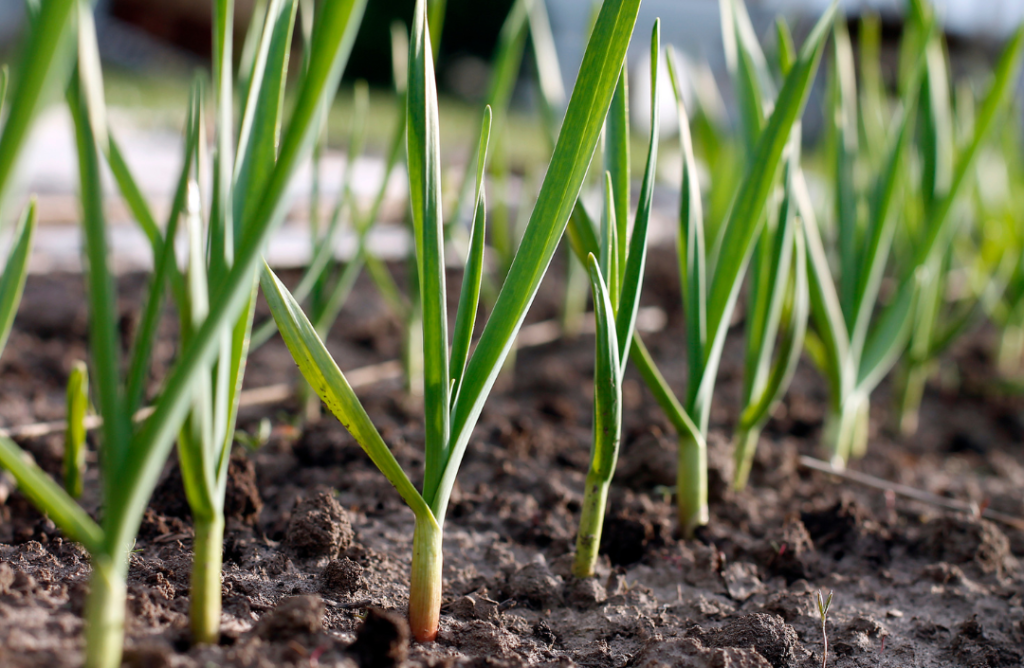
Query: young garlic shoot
74,432
979,254
454,394
132,458
711,280
710,296
855,341
777,298
823,605
616,301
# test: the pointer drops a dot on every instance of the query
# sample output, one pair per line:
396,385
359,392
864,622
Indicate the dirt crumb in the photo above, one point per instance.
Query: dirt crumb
536,586
773,639
973,647
961,540
242,498
625,539
319,527
741,580
293,616
341,577
382,641
586,593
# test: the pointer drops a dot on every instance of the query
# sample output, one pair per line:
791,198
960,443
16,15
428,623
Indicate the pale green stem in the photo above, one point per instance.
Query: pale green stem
425,583
205,604
846,430
692,484
588,540
104,613
911,392
743,454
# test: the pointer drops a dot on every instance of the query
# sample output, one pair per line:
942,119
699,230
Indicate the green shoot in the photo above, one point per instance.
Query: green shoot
450,417
854,347
823,605
777,299
615,313
74,434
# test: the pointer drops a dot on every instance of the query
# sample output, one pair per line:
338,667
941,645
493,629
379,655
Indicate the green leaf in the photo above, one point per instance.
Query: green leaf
223,224
546,68
423,149
770,287
262,112
610,239
832,355
49,497
784,44
1004,76
742,226
749,70
323,375
43,66
690,250
505,65
469,297
12,281
844,113
104,342
607,379
616,163
636,257
882,222
574,150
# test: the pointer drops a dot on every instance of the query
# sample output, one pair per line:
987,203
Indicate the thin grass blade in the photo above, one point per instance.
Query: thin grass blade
12,280
469,297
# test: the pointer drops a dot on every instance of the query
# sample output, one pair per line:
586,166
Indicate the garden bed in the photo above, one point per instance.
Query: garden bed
317,537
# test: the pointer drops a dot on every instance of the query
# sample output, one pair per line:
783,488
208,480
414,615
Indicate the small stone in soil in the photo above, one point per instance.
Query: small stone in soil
319,527
341,577
535,585
293,616
382,641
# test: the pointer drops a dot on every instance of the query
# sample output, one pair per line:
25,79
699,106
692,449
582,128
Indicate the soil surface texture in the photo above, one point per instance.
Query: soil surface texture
318,543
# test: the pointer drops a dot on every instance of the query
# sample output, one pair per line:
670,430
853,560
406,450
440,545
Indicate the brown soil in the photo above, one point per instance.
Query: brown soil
318,543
